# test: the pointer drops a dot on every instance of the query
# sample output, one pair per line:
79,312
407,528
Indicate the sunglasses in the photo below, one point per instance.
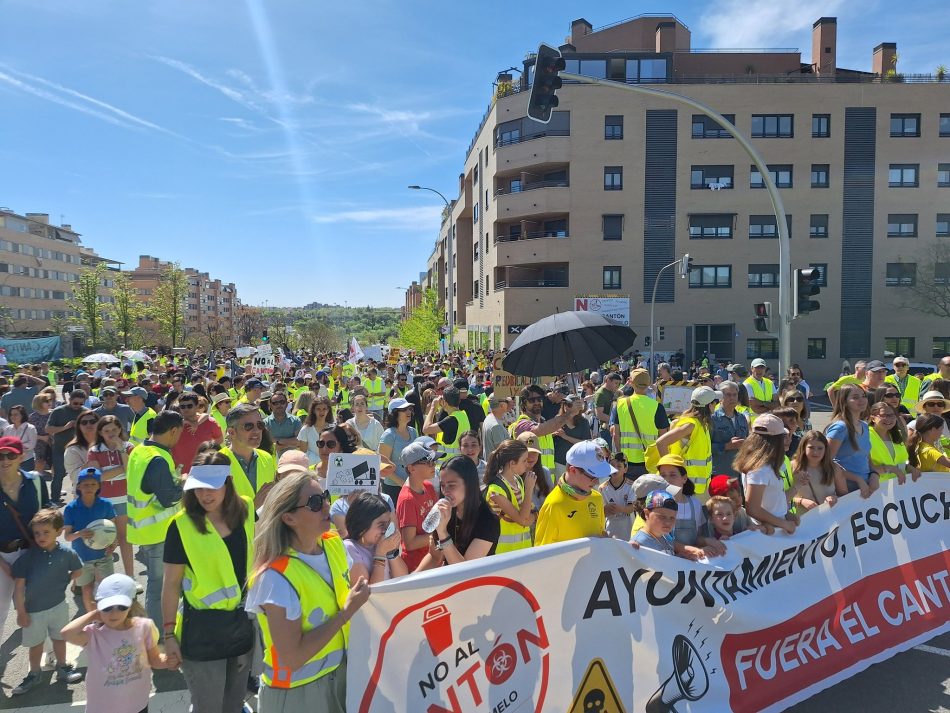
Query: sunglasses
9,455
88,421
327,444
893,395
187,406
314,503
259,425
114,607
795,399
534,399
278,403
934,404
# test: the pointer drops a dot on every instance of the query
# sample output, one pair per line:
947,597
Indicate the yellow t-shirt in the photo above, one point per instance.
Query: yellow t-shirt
563,518
845,380
928,455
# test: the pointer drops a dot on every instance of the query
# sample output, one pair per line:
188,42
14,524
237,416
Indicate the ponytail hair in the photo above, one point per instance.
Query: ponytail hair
506,452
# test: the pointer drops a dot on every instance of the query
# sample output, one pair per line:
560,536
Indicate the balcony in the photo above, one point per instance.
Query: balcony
551,275
533,151
536,198
532,236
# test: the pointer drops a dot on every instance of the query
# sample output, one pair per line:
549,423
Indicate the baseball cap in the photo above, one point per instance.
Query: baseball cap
601,443
89,474
640,377
109,391
901,360
768,424
416,452
11,444
875,365
660,499
136,391
427,441
211,477
293,460
589,457
646,484
253,384
570,400
531,441
460,384
397,404
722,484
758,362
115,590
703,396
739,370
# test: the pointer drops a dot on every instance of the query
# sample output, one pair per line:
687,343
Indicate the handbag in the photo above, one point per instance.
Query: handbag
215,634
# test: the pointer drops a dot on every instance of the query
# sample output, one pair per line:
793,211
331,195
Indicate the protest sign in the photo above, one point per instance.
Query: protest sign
676,398
507,384
30,351
263,364
774,621
244,352
347,472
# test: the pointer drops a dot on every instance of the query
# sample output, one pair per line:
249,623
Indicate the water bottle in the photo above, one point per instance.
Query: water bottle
433,518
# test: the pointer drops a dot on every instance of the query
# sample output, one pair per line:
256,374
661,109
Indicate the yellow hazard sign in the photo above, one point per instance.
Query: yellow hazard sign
597,693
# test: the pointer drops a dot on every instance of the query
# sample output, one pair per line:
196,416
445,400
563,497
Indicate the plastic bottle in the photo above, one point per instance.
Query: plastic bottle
433,518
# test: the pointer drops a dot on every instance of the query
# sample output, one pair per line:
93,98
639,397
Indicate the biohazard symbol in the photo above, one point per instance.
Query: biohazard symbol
501,664
597,693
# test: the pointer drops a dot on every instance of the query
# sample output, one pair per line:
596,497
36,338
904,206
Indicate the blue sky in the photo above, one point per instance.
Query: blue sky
271,143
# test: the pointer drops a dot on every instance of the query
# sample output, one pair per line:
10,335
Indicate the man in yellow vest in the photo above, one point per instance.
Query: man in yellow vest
943,372
376,388
637,422
449,430
860,369
153,497
142,414
531,401
252,468
761,390
906,383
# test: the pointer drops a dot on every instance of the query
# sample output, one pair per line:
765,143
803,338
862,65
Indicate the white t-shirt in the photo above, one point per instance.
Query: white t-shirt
310,435
773,499
273,588
372,435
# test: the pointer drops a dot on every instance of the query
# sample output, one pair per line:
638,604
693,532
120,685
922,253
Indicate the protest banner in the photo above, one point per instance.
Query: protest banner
263,364
244,352
30,351
596,625
347,472
507,384
676,398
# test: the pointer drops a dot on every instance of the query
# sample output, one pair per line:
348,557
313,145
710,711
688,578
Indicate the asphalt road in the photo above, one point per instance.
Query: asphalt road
913,682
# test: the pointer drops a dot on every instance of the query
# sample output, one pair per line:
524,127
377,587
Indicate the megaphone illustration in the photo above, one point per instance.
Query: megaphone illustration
689,680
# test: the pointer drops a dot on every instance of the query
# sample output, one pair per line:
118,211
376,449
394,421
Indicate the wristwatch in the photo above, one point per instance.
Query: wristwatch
442,544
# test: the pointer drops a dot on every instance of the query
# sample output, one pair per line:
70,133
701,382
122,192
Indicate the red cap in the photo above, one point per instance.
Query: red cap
722,484
11,444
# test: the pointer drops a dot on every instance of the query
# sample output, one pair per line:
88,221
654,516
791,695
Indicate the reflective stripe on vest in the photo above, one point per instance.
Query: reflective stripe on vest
139,430
310,671
148,518
513,536
644,408
881,455
453,449
266,472
910,394
762,392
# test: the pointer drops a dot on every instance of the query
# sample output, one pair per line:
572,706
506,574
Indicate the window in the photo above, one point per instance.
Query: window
761,349
822,280
763,275
554,228
902,175
713,226
475,171
475,213
819,175
706,128
945,124
475,251
715,177
820,126
763,226
941,347
902,225
942,273
943,225
817,348
943,175
710,276
818,226
781,175
772,126
613,227
612,277
613,127
613,178
901,274
475,289
905,125
652,70
900,345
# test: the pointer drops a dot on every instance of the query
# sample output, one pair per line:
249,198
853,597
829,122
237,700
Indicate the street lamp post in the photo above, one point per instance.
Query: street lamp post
784,249
684,272
449,268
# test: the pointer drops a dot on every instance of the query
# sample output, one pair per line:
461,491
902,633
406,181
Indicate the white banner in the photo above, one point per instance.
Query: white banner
355,353
616,309
593,625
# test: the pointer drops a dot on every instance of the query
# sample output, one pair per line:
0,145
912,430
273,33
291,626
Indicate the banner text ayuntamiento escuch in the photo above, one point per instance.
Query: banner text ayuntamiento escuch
776,620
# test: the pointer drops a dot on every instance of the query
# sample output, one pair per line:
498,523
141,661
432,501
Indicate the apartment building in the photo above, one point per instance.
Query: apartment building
593,204
211,306
39,263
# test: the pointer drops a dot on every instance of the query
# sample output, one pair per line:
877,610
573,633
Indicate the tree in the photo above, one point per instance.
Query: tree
215,333
318,335
420,330
86,304
6,320
250,323
168,304
126,309
928,291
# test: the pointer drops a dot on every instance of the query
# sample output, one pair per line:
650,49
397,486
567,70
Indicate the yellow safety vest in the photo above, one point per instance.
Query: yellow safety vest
632,444
545,443
453,449
213,585
148,518
483,400
139,431
374,403
220,419
697,453
881,455
513,536
315,596
910,394
266,472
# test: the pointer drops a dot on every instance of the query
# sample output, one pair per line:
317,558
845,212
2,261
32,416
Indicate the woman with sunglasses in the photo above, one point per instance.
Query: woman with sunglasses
333,439
208,554
301,567
933,403
76,455
794,398
892,397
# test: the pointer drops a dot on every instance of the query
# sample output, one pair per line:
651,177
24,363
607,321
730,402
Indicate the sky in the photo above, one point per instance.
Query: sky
271,143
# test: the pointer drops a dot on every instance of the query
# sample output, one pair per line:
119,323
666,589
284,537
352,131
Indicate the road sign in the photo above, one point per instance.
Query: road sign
597,692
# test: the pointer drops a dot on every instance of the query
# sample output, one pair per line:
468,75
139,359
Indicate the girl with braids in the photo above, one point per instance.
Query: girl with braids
508,490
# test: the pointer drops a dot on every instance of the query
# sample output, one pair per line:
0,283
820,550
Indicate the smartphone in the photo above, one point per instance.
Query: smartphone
390,531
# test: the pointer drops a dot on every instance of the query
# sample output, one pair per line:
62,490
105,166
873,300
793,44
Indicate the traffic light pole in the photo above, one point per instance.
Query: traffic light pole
656,281
784,250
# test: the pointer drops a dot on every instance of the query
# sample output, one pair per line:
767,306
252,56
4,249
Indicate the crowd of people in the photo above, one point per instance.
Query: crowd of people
216,480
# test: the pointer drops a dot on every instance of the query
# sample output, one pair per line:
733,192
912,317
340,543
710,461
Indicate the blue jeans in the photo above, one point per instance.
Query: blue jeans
152,556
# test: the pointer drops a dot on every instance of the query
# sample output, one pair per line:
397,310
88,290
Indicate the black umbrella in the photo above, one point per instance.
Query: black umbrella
567,342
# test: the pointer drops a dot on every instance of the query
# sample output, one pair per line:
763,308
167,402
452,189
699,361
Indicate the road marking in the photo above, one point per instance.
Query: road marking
933,650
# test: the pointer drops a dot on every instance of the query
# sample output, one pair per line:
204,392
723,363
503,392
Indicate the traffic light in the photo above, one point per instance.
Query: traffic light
806,287
763,316
543,97
264,338
686,265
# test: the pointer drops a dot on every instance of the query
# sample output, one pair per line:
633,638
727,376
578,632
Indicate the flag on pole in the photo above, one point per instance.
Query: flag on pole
356,353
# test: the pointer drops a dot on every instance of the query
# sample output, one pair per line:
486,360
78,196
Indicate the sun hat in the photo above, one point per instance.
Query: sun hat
210,477
928,397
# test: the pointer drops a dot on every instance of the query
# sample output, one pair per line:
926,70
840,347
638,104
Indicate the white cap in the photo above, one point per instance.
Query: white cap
397,404
703,396
588,456
207,476
116,589
758,362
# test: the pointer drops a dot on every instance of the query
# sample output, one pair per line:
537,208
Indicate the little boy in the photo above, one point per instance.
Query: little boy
86,508
41,576
721,524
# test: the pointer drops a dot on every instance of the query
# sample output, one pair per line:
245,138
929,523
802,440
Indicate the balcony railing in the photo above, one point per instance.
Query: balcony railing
532,236
529,282
562,183
522,138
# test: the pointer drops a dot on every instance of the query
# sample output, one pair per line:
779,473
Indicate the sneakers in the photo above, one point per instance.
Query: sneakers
67,673
32,680
247,709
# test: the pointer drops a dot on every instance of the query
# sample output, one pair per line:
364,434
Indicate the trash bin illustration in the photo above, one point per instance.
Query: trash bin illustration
437,625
